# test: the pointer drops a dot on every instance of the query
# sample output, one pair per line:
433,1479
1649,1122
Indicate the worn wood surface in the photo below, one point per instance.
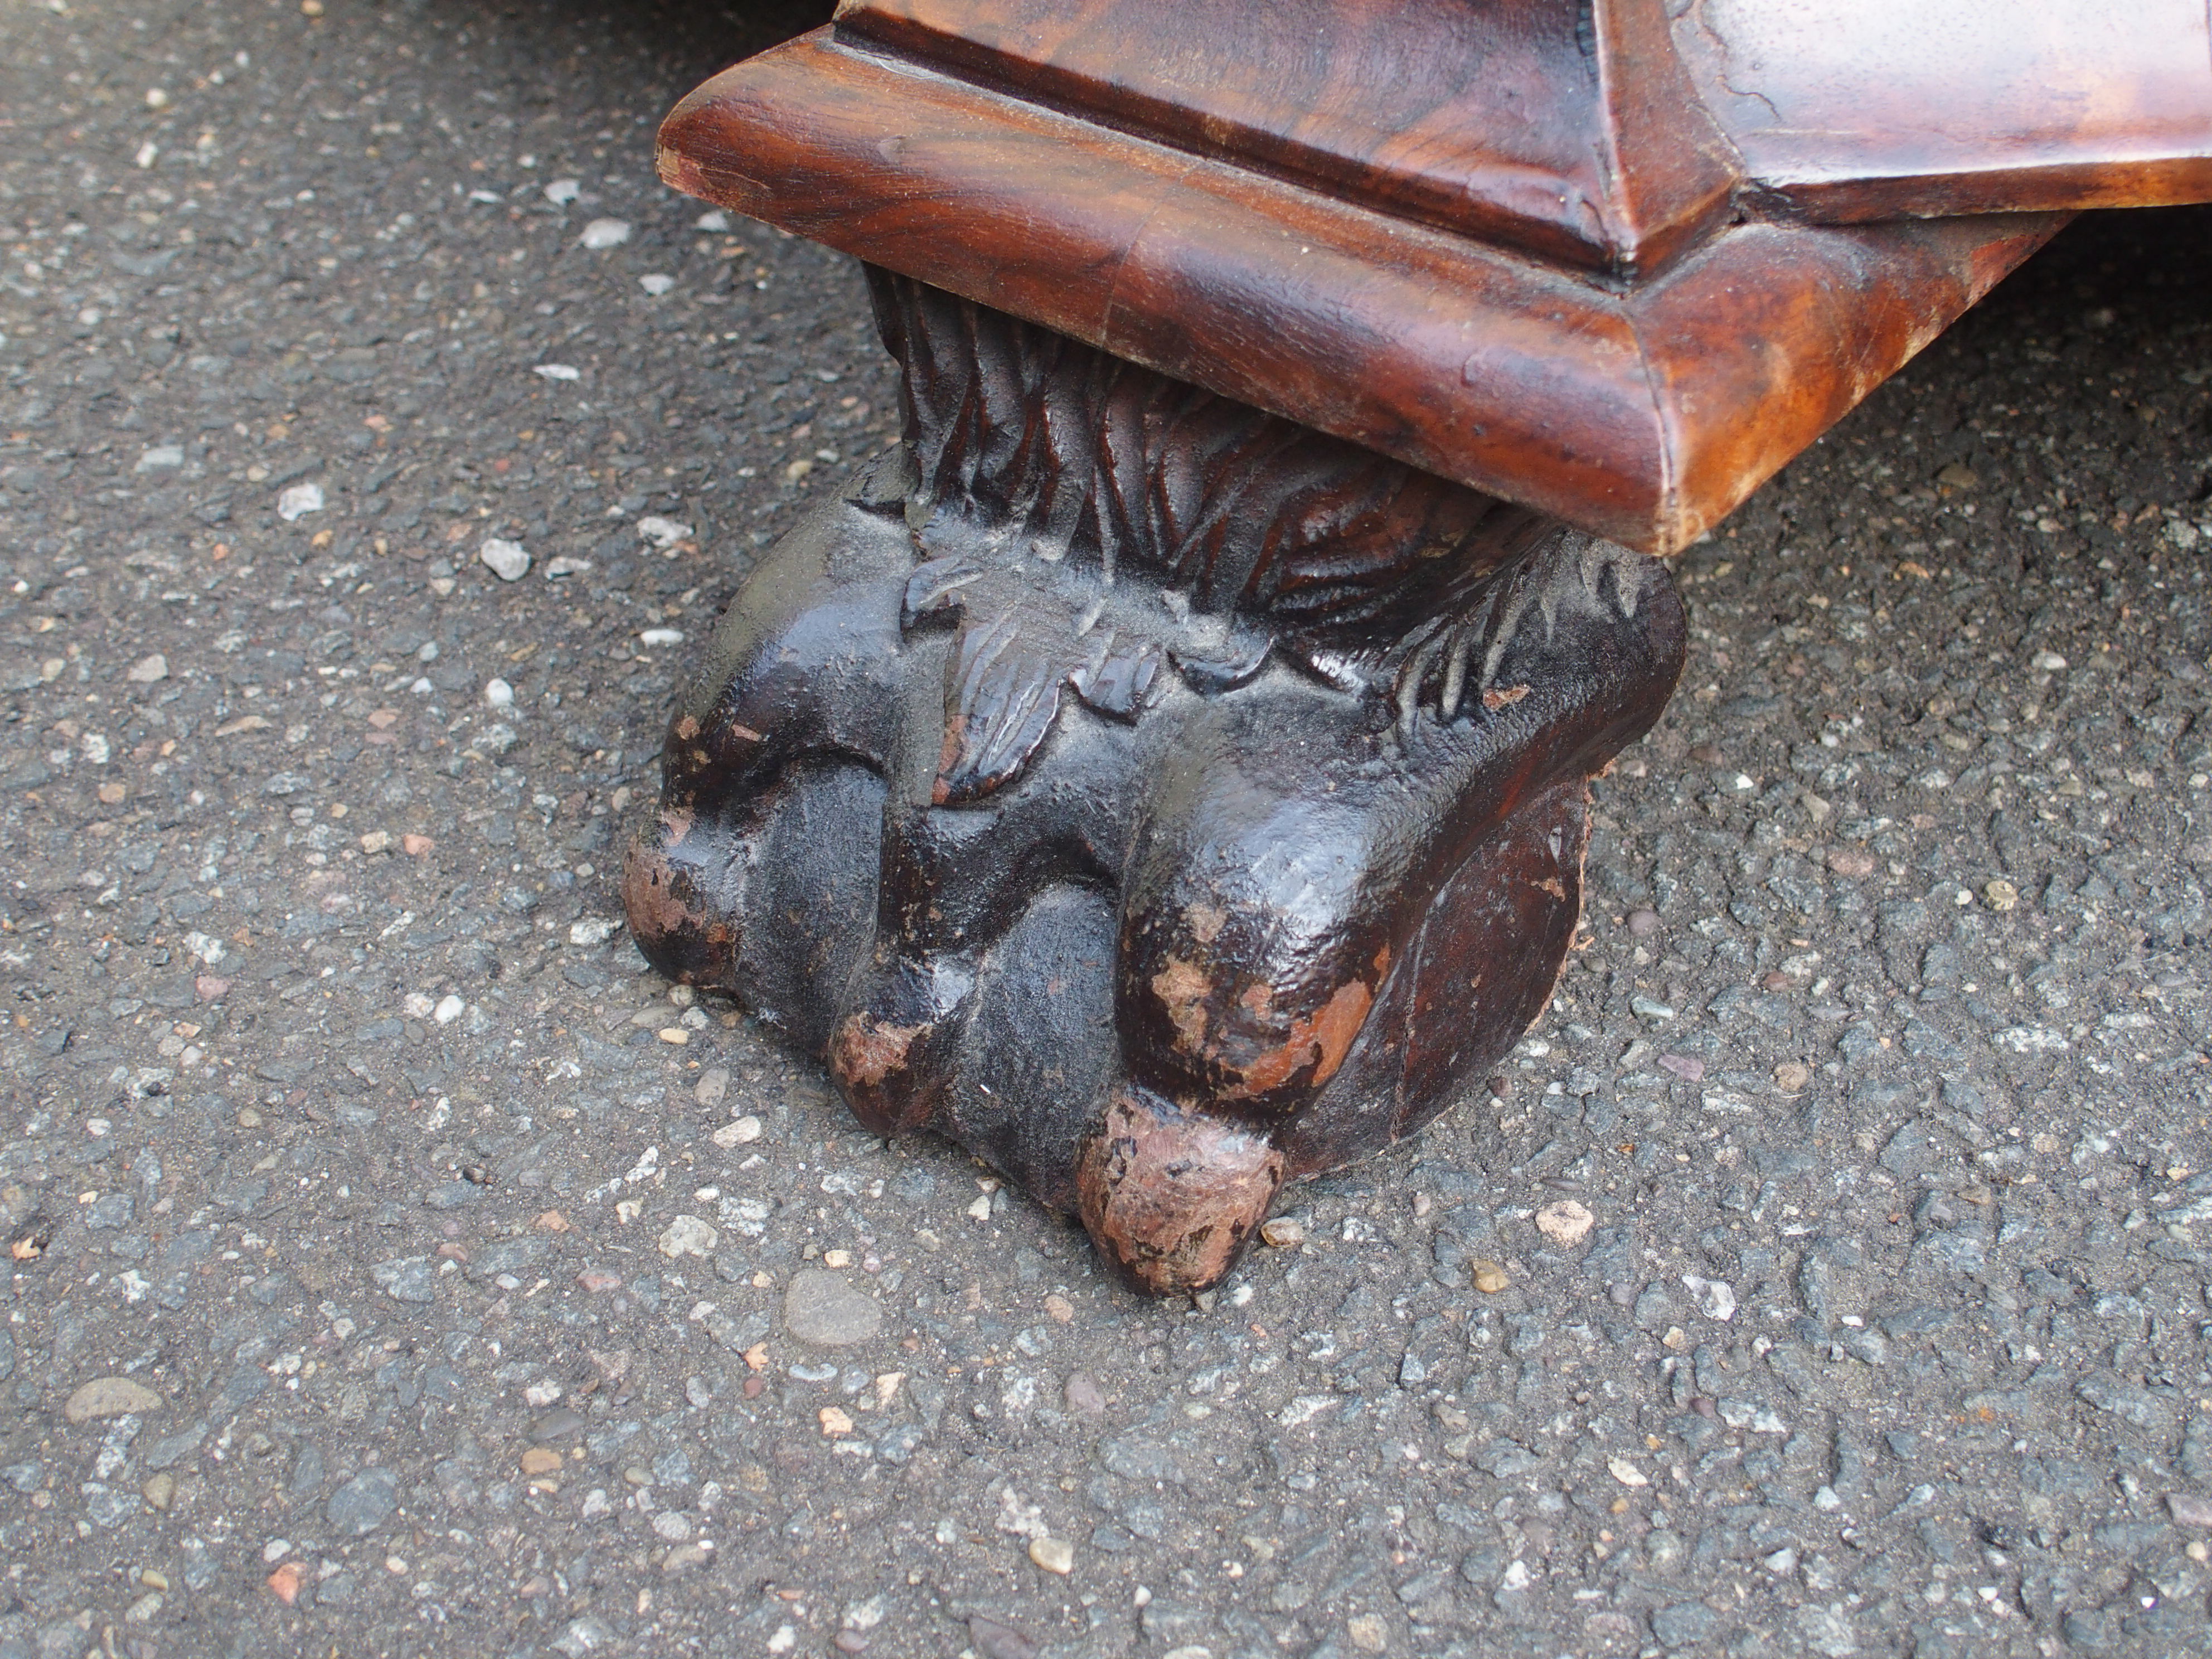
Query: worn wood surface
1572,132
1642,414
1601,135
1880,107
1162,800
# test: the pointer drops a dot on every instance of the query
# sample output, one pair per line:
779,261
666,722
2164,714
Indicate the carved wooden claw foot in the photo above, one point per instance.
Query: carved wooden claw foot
1162,800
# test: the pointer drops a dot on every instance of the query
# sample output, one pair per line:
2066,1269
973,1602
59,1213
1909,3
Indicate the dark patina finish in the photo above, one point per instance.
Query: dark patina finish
1165,772
1161,800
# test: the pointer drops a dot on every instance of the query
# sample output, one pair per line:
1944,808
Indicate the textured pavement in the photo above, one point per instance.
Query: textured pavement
397,1267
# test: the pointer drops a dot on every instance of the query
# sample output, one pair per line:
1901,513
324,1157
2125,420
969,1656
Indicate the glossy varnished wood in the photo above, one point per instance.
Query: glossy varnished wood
1876,108
1572,132
1643,414
1163,801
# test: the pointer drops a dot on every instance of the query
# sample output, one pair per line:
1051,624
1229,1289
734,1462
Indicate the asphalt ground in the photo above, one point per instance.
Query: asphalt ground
397,1267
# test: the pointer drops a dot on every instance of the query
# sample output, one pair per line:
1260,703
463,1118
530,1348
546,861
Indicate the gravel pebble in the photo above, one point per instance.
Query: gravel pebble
110,1396
506,560
363,1503
826,1310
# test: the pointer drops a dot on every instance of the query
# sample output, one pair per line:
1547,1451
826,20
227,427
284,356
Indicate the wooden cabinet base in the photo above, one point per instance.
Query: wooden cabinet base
1162,800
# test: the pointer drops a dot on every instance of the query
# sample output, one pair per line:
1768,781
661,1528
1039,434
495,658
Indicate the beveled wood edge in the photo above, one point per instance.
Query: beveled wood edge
1644,416
1673,180
1861,198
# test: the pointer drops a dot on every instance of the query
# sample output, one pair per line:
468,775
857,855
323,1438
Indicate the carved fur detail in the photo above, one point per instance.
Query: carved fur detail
1051,478
1162,800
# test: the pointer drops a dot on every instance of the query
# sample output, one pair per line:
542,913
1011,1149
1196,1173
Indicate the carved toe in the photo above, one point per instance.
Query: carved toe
1174,1197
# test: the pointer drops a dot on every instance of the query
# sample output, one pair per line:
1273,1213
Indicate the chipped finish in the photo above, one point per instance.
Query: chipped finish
1150,939
1174,1196
1642,412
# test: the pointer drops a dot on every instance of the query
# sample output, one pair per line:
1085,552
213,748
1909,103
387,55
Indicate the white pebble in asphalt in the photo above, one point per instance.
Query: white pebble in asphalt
505,559
299,501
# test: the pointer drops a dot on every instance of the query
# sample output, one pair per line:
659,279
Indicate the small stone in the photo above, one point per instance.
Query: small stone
592,932
1282,1233
498,693
2000,895
1643,923
603,233
588,1635
1084,1394
824,1311
1850,862
2048,662
160,1491
712,1085
1565,1222
663,534
1626,1473
111,1396
744,1130
1489,1278
562,1424
149,671
1368,1633
449,1009
1715,1297
2189,1511
504,559
1053,1554
285,1582
299,501
1061,1310
364,1503
656,285
1958,475
407,1278
1792,1077
994,1640
690,1236
416,846
541,1460
675,1035
834,1422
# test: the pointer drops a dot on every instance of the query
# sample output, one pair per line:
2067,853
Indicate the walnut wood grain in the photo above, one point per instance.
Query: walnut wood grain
1572,132
1885,108
1642,415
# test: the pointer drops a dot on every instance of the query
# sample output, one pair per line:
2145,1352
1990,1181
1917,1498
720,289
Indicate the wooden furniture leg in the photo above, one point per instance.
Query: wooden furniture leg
1160,798
1165,771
